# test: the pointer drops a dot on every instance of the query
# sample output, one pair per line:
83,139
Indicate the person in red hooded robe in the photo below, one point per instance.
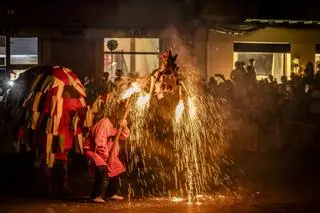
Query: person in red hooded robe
97,149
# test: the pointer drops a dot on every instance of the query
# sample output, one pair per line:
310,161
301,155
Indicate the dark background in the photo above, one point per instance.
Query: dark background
101,12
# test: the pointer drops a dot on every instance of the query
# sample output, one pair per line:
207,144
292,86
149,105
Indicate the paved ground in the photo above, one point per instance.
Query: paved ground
161,206
286,185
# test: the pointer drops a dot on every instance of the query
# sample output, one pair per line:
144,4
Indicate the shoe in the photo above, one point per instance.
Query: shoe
117,197
98,200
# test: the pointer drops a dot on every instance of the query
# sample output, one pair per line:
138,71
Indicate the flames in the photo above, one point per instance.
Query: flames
179,110
143,100
135,87
192,108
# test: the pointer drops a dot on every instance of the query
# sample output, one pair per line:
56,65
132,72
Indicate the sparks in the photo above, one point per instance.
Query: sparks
132,90
176,199
179,110
143,100
192,108
197,138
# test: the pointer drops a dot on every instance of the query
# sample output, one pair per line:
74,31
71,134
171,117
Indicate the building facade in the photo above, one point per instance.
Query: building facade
78,38
274,49
141,29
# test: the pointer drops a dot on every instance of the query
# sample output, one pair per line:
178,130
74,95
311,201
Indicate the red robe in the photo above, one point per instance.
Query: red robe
66,133
98,146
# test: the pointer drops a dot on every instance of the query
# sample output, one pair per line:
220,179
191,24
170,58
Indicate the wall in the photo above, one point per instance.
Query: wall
83,53
78,54
220,57
220,46
306,51
200,50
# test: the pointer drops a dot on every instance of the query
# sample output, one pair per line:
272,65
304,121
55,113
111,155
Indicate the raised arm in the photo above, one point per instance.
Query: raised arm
125,132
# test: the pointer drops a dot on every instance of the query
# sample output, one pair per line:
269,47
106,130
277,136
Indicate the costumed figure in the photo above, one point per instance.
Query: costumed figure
53,110
166,77
102,152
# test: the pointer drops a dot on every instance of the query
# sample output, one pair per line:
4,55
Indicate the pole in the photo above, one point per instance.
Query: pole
116,140
8,50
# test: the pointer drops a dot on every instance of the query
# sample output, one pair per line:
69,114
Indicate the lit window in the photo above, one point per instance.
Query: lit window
138,56
146,45
317,59
317,56
23,50
271,59
2,50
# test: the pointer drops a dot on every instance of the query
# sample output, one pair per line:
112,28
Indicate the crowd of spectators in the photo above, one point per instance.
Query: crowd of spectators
289,108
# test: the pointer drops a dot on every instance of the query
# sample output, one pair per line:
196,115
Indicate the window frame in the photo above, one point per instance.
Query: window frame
132,53
5,52
23,65
265,48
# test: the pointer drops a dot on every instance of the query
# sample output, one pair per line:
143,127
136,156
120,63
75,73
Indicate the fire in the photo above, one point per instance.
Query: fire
179,110
129,92
143,100
192,108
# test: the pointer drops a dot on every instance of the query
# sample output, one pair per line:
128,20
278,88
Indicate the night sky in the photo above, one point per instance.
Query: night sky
59,12
302,10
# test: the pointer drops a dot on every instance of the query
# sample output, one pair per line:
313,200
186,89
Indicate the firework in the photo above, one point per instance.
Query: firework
132,90
191,124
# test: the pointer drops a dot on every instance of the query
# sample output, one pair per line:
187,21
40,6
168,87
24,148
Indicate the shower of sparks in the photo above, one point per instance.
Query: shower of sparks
177,145
199,140
179,110
132,90
188,157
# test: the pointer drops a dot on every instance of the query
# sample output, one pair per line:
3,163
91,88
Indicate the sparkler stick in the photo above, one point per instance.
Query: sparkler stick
180,93
125,115
185,88
116,140
154,80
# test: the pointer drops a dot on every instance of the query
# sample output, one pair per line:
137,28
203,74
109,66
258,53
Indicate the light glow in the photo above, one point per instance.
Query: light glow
176,199
132,90
192,108
179,110
143,100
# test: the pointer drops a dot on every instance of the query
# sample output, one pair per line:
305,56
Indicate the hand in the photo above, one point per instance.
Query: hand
123,123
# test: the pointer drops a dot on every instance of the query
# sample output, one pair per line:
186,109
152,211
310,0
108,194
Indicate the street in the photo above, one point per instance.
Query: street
268,185
160,206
